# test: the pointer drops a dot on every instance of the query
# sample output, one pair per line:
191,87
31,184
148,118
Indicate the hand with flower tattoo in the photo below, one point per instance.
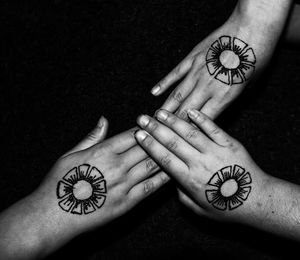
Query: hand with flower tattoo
218,68
91,185
216,175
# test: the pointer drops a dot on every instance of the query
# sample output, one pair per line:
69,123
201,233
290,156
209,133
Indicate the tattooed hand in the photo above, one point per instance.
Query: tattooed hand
94,183
216,174
219,67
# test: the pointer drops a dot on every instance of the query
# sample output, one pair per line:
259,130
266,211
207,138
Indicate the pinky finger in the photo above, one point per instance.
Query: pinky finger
177,73
147,187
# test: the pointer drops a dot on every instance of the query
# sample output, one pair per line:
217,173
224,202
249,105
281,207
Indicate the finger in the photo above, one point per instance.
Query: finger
142,171
209,127
177,73
188,132
162,156
212,109
122,142
133,156
179,94
195,100
168,138
95,136
147,187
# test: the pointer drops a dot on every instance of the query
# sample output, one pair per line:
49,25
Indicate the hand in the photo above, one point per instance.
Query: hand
217,175
219,67
94,183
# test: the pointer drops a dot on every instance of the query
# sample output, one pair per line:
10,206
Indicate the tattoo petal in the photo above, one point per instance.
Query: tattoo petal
239,45
88,207
234,203
71,176
83,170
63,189
98,200
211,195
77,209
67,203
95,175
215,180
245,179
244,193
100,186
238,171
249,56
220,204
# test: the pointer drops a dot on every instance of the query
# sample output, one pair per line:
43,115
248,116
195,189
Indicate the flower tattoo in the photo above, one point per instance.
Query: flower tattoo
82,190
230,60
229,187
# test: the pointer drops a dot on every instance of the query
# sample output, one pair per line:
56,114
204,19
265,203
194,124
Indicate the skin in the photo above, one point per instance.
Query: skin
258,23
193,153
36,226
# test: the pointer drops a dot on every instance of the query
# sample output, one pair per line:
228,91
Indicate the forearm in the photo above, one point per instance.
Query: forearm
262,19
34,227
264,13
276,208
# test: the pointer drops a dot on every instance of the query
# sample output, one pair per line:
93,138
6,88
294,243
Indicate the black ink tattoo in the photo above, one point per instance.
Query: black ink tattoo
230,60
82,190
230,186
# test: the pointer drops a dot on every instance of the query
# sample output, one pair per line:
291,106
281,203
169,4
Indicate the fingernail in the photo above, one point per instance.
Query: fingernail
193,113
144,120
141,135
162,115
155,90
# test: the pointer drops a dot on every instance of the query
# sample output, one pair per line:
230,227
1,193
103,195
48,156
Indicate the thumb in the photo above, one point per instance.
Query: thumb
97,135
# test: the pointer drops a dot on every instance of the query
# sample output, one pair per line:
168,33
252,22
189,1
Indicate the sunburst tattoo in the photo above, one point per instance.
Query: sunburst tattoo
82,190
230,60
229,188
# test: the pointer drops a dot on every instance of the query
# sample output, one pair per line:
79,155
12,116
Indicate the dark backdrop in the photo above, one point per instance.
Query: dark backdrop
64,63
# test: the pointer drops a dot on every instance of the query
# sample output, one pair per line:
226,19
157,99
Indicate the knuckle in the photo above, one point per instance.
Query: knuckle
165,160
182,114
91,136
173,144
198,59
148,186
171,119
215,131
152,126
177,96
192,134
148,141
150,165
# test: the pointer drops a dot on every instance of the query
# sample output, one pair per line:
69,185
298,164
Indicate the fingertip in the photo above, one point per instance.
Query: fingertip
140,135
155,90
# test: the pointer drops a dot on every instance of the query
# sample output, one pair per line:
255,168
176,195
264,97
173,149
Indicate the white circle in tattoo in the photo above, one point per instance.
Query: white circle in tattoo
230,60
229,187
82,190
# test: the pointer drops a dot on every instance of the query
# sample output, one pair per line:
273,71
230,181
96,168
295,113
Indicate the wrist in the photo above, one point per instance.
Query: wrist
262,16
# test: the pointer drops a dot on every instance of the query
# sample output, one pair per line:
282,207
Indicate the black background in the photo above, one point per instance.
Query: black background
65,63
